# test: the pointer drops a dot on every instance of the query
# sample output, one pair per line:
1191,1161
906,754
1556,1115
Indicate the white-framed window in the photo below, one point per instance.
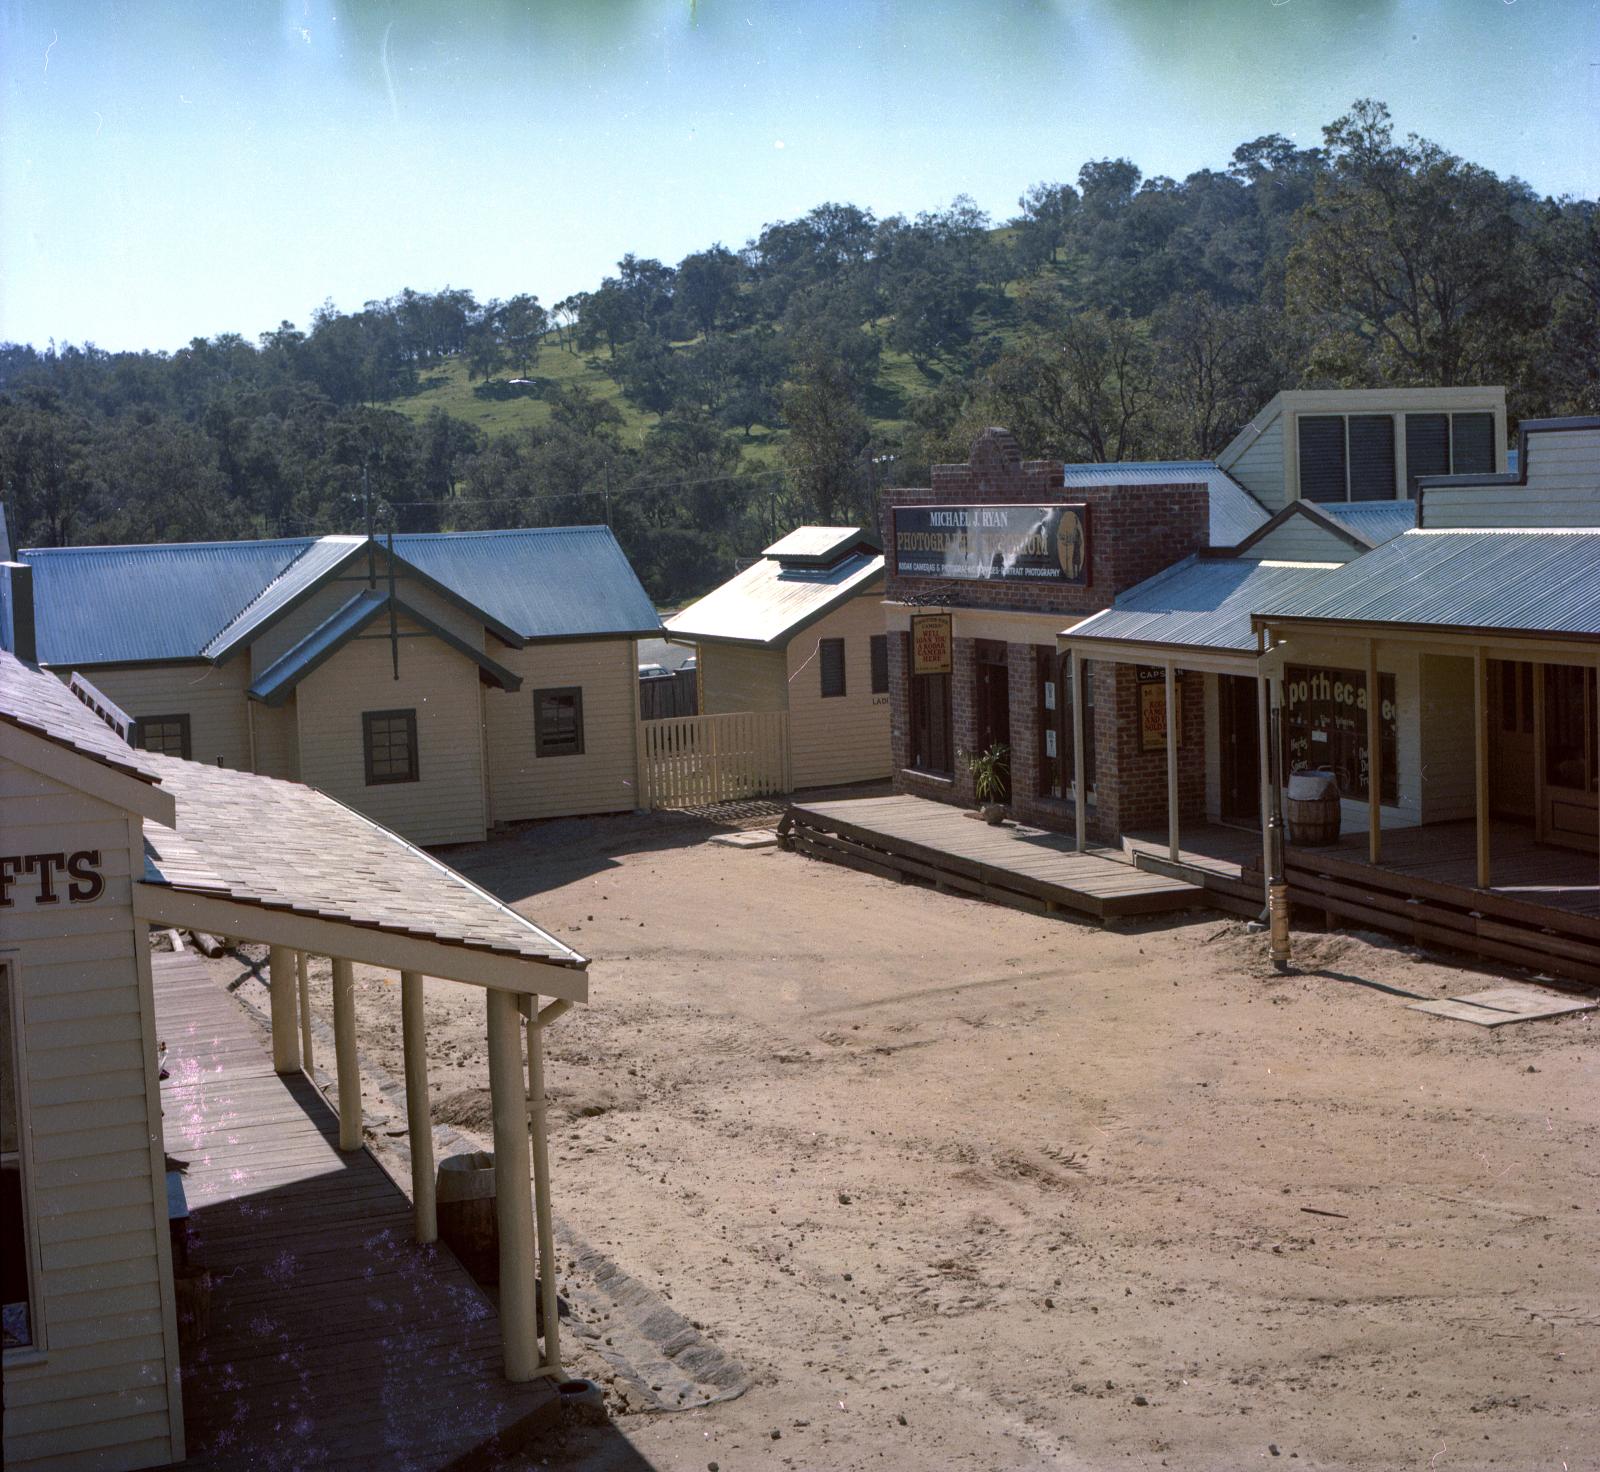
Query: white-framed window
19,1244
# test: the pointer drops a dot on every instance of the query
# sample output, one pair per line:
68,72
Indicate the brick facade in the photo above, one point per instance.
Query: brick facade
1134,533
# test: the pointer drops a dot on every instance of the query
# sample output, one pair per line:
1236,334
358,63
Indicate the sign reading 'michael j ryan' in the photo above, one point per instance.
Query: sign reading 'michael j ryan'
1023,544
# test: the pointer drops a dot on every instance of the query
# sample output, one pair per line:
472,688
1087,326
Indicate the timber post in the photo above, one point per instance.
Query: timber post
419,1123
344,1053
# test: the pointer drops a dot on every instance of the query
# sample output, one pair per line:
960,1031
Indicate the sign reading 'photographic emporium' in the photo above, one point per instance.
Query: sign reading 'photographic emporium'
1005,544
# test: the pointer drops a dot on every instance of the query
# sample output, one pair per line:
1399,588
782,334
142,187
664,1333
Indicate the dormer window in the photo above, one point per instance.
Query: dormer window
1448,444
1346,457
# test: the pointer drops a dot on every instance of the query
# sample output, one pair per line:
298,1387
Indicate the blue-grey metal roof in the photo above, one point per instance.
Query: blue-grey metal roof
102,605
1235,513
1545,581
559,582
1200,603
768,604
280,678
319,559
194,600
1376,522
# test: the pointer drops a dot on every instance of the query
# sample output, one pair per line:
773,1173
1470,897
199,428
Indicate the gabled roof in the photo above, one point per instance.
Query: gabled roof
1200,603
1375,522
820,546
320,564
278,680
34,701
1362,525
1536,582
193,601
109,605
768,603
306,853
1235,513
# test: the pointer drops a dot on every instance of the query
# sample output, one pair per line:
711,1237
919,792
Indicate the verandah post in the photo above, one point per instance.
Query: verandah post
512,1186
344,1055
419,1123
282,984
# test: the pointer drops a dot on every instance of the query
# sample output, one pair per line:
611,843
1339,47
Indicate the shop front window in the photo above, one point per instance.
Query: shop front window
1055,725
1571,759
1325,725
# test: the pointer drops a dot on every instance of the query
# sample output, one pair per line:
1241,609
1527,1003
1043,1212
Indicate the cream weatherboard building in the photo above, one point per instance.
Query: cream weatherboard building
467,680
801,632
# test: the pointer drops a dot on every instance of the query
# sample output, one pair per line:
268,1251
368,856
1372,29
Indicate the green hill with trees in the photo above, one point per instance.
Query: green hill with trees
700,408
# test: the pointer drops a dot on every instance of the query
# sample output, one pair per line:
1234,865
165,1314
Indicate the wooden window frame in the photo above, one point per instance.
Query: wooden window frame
825,647
180,719
369,718
544,744
22,1159
879,647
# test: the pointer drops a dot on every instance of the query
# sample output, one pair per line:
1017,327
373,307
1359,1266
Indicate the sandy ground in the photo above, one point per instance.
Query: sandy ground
965,1188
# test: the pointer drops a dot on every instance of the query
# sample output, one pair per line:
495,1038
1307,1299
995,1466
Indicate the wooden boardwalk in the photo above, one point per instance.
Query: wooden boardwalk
913,838
332,1339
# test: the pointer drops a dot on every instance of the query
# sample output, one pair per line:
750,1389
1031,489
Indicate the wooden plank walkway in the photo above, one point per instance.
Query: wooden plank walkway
905,837
332,1338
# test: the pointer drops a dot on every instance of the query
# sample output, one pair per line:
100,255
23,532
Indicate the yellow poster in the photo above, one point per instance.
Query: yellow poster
930,644
1153,716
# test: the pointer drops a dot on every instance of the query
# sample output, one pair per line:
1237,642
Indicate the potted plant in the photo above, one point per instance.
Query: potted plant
991,780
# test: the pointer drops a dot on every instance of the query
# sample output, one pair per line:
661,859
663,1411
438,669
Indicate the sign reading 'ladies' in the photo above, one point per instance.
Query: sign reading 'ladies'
1007,544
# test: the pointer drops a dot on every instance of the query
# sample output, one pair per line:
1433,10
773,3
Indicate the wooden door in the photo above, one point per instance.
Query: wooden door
1511,737
1239,734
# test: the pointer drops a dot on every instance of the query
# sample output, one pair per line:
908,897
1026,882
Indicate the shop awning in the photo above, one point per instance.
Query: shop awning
284,864
1538,583
1201,603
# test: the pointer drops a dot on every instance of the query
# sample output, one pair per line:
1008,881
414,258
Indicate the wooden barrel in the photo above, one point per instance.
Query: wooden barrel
467,1222
1311,808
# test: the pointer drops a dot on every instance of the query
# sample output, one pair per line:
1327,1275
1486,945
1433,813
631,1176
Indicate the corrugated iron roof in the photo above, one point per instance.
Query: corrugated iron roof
281,677
1538,581
1375,521
98,605
304,852
1235,513
559,582
319,559
40,703
769,604
1200,603
819,545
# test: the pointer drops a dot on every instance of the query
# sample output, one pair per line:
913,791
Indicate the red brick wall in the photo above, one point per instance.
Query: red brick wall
1134,533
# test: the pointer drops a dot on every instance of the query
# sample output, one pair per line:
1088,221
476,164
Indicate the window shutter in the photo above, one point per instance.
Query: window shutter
1322,457
1371,457
880,664
1427,447
832,660
1471,444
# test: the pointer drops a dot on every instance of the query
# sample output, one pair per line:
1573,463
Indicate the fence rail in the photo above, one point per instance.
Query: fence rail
690,761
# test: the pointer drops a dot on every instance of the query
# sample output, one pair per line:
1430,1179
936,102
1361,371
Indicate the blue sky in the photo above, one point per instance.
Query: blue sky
171,170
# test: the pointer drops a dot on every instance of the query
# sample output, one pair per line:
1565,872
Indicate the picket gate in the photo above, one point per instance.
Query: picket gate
693,761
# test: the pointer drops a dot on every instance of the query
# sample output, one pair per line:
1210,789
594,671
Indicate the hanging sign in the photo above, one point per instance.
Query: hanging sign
1006,544
930,644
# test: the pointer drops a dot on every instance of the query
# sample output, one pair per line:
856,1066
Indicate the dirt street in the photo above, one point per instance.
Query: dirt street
965,1188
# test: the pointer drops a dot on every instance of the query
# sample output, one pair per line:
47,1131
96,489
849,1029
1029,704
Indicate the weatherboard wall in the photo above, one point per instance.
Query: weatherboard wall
1562,489
1299,539
103,1392
446,803
603,778
838,739
1261,467
212,697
